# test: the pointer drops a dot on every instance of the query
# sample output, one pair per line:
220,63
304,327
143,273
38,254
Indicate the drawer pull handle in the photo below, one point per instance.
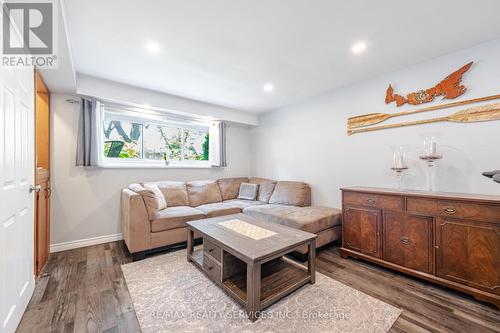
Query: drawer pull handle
370,201
210,250
450,210
210,268
405,240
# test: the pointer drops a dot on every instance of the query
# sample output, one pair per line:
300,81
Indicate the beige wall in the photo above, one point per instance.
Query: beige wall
85,201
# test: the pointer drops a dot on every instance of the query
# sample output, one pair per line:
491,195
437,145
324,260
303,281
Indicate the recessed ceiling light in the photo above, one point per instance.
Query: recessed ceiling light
152,47
268,87
358,47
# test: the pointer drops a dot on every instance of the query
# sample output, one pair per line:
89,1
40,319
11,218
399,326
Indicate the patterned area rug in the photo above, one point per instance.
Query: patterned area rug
171,295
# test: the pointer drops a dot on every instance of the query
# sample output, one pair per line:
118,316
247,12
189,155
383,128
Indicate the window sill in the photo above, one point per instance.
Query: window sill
155,166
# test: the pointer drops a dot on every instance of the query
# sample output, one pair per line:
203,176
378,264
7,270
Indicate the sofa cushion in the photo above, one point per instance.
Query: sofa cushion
248,191
291,193
266,188
203,192
162,204
230,187
270,212
219,209
175,217
149,198
312,219
175,193
244,203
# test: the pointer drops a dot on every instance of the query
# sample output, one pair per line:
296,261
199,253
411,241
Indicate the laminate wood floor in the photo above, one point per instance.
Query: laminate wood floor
83,290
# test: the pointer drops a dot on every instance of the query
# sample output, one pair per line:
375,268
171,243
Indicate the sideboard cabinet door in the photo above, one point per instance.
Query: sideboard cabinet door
469,253
362,230
407,241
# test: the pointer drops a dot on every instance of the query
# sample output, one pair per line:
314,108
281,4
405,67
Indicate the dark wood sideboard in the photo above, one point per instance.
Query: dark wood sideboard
447,238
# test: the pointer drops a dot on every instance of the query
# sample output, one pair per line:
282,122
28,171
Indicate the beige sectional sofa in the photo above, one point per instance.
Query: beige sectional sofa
284,202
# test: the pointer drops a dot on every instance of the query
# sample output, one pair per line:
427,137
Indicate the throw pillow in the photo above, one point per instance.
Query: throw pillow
149,198
266,188
162,203
248,191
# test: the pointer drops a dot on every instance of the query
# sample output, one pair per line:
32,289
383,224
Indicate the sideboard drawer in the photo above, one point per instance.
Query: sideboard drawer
212,250
454,209
374,200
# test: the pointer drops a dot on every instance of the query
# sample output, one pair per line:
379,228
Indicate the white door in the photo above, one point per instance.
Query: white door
16,202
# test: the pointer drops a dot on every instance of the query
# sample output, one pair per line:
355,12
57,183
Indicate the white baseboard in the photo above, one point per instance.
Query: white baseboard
58,247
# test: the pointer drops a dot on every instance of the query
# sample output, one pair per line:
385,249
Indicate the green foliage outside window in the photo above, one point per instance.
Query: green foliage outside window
205,148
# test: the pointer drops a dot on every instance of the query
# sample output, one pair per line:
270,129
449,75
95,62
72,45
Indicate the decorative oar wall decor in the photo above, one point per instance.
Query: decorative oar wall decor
487,112
376,118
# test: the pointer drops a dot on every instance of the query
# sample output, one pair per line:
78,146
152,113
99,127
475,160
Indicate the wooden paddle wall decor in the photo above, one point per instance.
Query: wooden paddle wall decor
375,118
449,88
487,112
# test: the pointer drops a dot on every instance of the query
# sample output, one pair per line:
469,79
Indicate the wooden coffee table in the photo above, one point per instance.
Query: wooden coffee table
244,256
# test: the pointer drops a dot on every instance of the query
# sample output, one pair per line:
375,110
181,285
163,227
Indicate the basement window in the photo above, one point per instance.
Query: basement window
136,141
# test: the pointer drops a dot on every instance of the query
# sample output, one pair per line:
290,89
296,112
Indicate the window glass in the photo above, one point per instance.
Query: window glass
160,140
196,145
143,141
122,139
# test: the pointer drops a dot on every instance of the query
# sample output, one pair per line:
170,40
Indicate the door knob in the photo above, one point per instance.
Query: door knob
35,188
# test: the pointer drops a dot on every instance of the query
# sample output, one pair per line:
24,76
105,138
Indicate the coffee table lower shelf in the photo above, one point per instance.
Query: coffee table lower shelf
279,277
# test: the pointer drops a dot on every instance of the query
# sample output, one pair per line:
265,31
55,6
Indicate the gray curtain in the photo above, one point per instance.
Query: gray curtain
87,152
222,143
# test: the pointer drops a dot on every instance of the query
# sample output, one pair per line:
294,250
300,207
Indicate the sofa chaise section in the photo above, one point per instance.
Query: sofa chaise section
325,222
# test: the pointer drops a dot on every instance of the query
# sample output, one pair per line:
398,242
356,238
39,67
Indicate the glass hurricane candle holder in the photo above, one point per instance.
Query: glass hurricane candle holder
430,148
430,155
399,164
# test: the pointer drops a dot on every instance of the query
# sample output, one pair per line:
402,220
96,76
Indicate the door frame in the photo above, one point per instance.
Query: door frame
41,87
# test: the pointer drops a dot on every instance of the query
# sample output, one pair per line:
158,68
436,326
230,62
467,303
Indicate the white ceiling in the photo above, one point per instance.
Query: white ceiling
224,51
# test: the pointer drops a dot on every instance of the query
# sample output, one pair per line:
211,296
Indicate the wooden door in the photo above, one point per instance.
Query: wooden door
42,176
407,241
468,252
17,201
362,230
42,218
42,123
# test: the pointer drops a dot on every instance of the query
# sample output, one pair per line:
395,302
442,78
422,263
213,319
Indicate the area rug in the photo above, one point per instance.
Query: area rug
171,295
